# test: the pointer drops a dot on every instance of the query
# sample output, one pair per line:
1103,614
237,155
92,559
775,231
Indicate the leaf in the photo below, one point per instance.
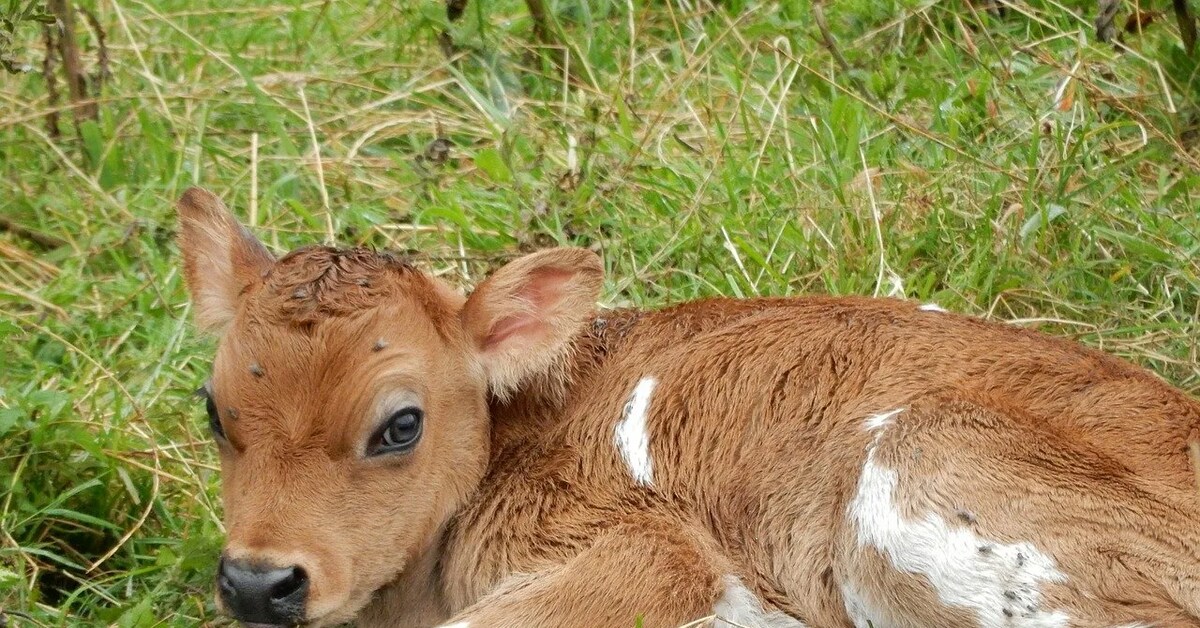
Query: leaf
63,497
1135,245
73,515
492,164
138,615
8,419
93,142
53,402
8,578
435,14
9,330
1040,219
165,557
51,556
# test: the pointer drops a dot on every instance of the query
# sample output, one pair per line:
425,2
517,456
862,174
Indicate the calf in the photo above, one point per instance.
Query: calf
395,452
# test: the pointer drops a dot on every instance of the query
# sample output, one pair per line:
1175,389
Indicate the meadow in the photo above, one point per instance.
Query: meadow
1006,165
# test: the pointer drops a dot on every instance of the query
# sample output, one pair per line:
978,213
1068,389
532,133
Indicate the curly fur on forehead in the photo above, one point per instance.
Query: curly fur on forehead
312,284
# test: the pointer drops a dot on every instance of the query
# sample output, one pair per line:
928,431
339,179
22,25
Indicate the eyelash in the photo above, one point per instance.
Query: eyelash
214,417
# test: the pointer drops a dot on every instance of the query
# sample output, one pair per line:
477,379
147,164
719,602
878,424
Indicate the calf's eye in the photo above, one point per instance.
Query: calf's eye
398,434
214,418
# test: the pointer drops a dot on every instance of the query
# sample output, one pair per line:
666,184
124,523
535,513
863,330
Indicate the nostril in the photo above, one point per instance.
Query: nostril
296,580
224,583
256,593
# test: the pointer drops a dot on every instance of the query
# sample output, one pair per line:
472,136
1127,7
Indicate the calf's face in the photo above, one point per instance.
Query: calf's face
348,400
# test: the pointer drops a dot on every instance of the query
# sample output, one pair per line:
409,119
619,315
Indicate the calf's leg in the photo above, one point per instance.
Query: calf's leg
967,516
662,573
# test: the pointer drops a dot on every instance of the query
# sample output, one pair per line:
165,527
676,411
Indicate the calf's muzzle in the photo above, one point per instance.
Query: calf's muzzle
257,593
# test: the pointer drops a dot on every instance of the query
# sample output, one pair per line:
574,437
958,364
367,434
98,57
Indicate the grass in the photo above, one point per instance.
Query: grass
1010,167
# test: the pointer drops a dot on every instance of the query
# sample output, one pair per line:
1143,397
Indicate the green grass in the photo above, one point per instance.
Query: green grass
724,152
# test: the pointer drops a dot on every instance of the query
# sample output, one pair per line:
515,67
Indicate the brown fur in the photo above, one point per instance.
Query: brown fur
516,509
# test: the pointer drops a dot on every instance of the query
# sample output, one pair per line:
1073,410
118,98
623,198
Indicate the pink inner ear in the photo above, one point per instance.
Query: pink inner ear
542,291
511,326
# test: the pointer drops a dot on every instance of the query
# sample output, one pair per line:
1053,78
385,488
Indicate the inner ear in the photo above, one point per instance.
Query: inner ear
544,288
525,317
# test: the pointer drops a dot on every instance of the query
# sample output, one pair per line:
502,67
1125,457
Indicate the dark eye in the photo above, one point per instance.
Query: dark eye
214,419
399,433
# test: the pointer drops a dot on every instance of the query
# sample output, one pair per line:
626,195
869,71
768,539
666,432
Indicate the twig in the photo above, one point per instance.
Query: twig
831,44
68,50
316,147
136,526
454,11
1187,26
43,240
52,95
1106,15
254,179
4,615
137,52
33,298
541,22
877,220
102,67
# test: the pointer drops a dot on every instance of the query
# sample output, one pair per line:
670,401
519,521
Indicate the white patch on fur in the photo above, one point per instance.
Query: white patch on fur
857,609
1000,582
632,439
458,624
740,608
883,419
931,307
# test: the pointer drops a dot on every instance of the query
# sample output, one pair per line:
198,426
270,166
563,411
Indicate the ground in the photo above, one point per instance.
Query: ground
1006,165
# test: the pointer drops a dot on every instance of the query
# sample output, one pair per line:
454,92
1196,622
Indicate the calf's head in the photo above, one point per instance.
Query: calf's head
349,402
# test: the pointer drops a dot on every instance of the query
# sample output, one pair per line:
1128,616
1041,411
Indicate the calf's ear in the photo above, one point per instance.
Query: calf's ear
220,257
526,315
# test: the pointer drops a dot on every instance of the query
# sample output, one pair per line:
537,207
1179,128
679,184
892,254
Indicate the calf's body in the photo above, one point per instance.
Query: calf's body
820,462
845,460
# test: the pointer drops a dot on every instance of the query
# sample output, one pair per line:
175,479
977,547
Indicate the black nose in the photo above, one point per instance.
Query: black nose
261,594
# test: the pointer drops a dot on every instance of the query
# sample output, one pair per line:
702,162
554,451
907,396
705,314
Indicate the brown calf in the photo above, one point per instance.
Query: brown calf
395,452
